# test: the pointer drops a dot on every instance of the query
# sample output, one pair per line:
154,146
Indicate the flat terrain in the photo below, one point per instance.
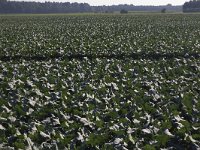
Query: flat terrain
98,81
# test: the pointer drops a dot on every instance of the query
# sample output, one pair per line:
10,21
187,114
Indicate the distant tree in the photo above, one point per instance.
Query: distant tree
163,10
123,11
192,6
169,5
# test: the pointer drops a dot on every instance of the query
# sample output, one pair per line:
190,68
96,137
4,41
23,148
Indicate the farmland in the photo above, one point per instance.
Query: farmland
100,81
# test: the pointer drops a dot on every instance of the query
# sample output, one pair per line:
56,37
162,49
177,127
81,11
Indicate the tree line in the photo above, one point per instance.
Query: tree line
192,6
67,7
46,7
113,8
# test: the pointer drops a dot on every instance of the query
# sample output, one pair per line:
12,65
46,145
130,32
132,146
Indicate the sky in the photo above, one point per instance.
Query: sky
116,2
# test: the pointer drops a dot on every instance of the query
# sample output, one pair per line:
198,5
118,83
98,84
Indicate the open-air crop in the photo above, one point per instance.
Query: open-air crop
100,81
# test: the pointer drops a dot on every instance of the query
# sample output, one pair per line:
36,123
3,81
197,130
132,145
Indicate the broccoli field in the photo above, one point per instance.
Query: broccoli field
100,81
